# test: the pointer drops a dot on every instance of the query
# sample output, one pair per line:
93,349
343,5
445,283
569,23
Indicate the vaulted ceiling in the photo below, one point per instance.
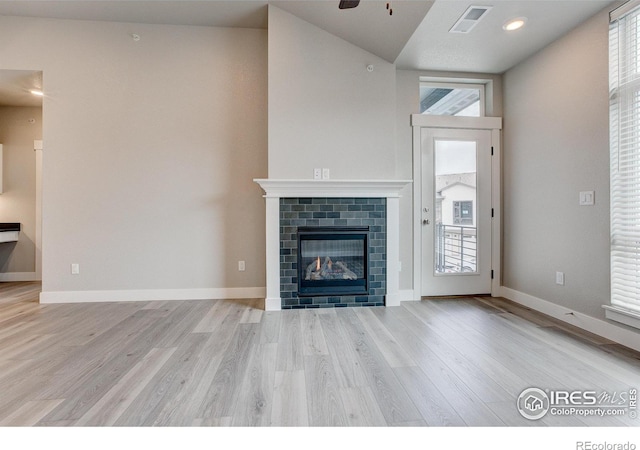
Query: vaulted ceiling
415,36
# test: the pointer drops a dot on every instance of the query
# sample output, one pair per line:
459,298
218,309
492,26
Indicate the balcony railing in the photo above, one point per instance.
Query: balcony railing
456,249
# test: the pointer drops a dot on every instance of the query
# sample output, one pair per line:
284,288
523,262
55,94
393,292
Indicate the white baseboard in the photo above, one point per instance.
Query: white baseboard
19,276
144,295
273,304
623,336
403,295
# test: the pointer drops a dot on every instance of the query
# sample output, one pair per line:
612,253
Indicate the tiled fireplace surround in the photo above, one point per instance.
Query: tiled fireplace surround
377,198
332,212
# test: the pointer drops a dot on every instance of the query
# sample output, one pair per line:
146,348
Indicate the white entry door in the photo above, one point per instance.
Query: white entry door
456,211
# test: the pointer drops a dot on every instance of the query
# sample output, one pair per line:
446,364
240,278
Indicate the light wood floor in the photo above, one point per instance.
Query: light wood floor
459,362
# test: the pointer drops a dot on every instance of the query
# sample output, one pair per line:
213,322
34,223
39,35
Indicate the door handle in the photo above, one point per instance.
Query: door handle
425,222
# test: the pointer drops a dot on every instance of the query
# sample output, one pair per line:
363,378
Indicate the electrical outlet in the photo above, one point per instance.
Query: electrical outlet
317,174
560,278
325,174
241,266
75,269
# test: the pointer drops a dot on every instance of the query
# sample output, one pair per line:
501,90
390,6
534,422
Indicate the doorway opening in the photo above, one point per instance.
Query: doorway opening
21,118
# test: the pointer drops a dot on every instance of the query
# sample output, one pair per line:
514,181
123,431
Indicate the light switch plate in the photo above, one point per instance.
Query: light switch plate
587,198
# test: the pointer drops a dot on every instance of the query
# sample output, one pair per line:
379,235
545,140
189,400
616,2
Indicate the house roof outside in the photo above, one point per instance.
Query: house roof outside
444,182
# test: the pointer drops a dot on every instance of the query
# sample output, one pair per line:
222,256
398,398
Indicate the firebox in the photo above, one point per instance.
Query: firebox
333,261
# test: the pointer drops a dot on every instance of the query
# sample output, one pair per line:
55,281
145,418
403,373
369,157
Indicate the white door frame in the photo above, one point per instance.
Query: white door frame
493,124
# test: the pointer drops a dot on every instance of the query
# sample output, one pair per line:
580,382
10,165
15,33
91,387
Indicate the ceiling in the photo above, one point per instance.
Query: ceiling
415,37
488,48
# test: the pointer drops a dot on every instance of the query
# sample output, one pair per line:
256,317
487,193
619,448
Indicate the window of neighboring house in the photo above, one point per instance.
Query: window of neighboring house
624,126
463,213
451,99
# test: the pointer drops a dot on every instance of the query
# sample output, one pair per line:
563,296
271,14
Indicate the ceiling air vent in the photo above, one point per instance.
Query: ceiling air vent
469,19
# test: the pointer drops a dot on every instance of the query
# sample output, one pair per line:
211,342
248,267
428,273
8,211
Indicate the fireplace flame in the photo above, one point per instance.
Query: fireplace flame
318,264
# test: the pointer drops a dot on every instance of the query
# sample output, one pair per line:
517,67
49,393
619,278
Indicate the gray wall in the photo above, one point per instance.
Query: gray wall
325,109
18,200
150,152
556,144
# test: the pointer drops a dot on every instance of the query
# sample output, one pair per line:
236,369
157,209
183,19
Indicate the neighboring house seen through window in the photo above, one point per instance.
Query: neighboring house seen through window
463,213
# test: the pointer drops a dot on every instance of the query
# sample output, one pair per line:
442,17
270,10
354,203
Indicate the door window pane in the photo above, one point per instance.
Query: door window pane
455,198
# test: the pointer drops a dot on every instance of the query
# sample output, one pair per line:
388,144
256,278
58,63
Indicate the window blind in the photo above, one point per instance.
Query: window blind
624,114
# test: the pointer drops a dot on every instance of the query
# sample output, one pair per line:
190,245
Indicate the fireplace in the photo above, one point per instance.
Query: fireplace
291,204
333,261
346,238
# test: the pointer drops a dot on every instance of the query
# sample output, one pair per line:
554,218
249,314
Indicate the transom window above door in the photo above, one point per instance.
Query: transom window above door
442,99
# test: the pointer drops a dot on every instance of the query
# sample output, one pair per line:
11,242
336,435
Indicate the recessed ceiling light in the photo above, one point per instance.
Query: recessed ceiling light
37,92
514,24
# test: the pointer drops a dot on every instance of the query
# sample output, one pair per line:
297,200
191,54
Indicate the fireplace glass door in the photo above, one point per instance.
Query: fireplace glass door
332,261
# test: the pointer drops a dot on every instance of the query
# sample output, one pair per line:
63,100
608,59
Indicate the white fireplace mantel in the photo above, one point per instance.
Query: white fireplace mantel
275,189
332,188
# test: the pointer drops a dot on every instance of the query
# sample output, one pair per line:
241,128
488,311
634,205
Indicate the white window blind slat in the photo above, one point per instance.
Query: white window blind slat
624,113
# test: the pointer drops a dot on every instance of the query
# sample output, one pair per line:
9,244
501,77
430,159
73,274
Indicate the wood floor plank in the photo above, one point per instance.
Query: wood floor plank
30,413
313,341
349,371
213,317
212,354
323,393
107,410
395,355
165,385
255,399
431,403
361,407
270,327
290,400
221,398
253,312
393,399
290,347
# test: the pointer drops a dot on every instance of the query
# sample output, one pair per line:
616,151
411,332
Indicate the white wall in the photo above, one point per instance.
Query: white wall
556,144
18,200
150,152
325,109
